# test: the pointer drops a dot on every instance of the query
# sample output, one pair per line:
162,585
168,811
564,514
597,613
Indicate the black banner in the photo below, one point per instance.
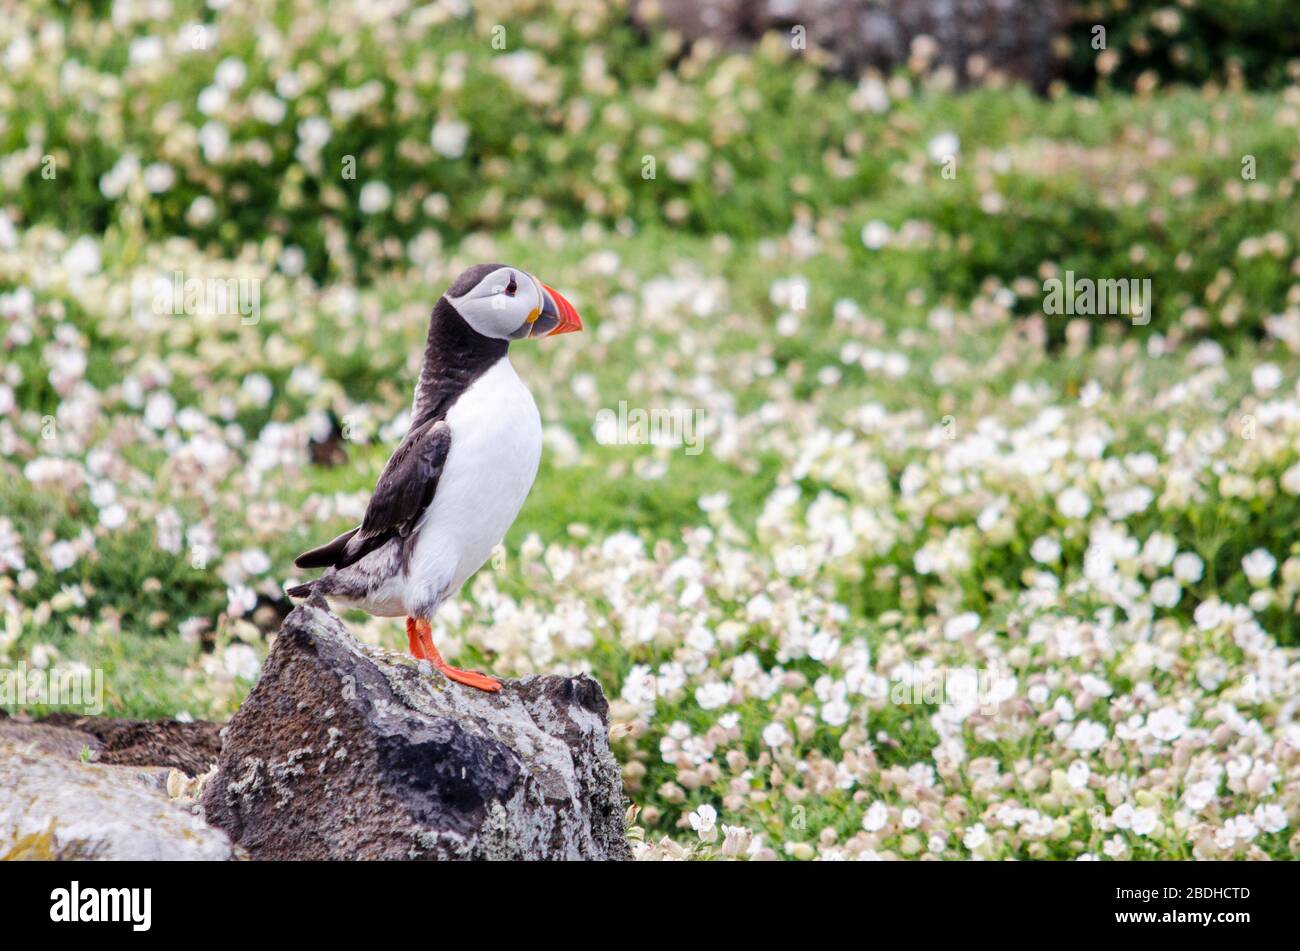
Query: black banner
1037,901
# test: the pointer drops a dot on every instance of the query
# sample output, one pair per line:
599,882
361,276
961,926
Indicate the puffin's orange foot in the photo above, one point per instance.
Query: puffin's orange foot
413,641
419,635
470,678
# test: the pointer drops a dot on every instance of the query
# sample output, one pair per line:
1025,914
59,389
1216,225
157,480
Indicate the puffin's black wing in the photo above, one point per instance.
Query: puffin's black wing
404,491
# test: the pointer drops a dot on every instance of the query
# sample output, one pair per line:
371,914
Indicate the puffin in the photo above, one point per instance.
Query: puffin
460,475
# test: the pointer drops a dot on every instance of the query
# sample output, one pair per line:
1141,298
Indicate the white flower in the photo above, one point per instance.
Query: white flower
257,388
1259,566
871,94
292,260
168,525
241,661
1086,736
1073,503
1199,795
1159,549
62,556
11,548
267,108
875,235
212,100
375,197
958,627
681,166
943,146
449,138
704,821
1209,615
145,50
1167,724
1145,820
1078,774
231,73
254,561
289,85
1064,708
735,840
1290,480
201,212
836,712
313,133
1270,817
776,735
875,817
160,410
1095,685
759,608
975,837
240,599
1266,378
159,177
82,259
1166,593
715,502
1241,828
640,689
1045,550
112,516
1188,568
712,695
214,139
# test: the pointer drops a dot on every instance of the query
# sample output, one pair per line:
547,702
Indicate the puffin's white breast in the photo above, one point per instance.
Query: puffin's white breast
496,444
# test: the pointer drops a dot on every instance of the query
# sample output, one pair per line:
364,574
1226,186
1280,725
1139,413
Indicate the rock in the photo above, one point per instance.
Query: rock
1014,37
49,738
342,751
55,807
189,747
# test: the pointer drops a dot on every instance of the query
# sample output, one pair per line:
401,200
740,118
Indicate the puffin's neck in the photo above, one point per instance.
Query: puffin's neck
454,357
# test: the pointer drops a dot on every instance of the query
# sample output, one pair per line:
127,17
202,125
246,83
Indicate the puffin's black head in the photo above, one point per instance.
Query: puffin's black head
506,303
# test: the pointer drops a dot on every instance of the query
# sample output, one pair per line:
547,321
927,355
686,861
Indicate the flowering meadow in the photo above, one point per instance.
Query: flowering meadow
949,576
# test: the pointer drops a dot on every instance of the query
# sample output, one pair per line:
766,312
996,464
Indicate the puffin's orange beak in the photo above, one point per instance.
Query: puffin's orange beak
559,310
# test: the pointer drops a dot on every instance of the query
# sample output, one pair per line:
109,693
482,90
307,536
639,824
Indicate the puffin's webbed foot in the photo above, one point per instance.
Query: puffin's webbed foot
419,635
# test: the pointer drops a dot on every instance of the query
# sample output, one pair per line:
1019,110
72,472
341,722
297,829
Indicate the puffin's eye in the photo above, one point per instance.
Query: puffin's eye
512,287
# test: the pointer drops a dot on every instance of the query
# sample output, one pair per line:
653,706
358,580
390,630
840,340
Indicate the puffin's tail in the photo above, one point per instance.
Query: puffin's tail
327,554
300,590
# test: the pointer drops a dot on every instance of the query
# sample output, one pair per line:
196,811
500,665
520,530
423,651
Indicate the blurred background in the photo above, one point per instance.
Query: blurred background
822,233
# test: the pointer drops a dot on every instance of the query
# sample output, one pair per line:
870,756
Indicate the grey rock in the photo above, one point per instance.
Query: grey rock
191,747
54,807
51,739
342,751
